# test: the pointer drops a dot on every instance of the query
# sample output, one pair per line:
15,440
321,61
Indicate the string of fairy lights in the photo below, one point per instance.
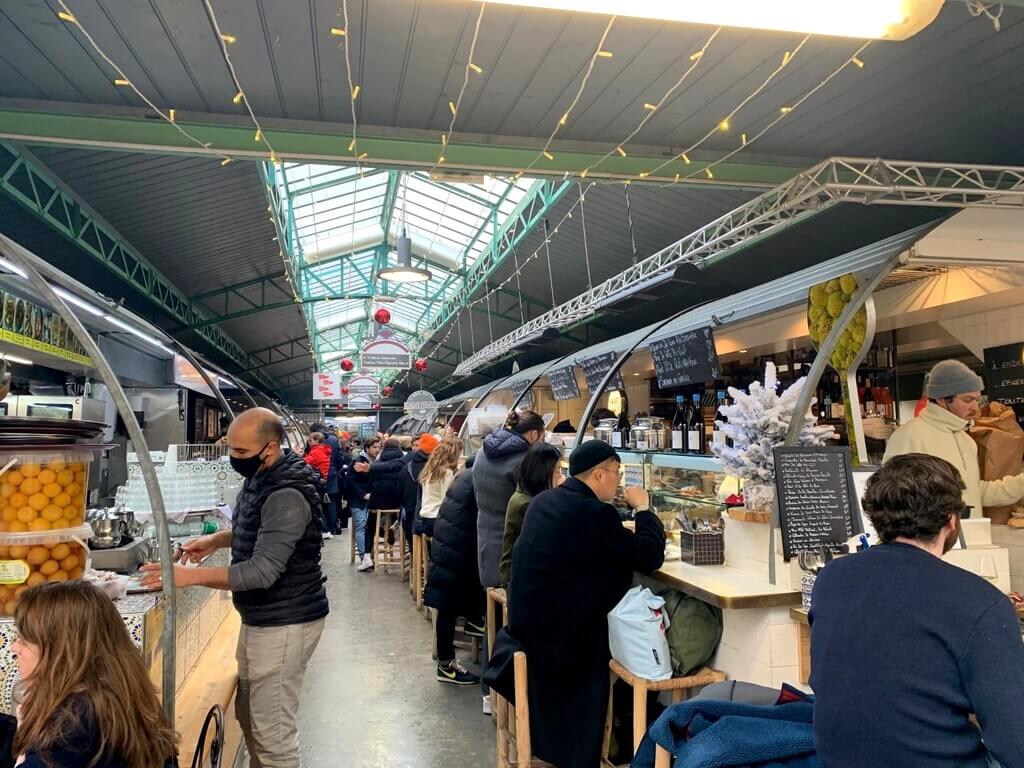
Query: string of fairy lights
678,165
454,106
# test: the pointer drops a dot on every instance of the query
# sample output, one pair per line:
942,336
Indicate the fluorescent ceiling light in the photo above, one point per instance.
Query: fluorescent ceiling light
71,298
882,19
13,359
14,269
139,334
329,356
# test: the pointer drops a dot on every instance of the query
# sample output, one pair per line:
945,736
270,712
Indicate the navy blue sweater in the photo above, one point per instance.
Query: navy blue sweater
904,647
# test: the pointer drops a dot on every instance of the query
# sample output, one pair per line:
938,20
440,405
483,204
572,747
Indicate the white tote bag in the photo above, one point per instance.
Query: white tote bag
636,634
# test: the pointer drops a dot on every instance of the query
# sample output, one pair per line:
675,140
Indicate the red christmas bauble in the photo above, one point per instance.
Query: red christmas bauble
344,390
376,406
382,316
347,364
387,391
421,364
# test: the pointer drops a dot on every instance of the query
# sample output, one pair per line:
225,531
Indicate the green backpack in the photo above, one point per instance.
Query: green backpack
694,632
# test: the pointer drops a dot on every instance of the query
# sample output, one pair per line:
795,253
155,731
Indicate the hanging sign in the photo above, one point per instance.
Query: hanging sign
595,369
359,403
363,385
326,386
385,353
686,358
29,325
1004,376
563,383
421,405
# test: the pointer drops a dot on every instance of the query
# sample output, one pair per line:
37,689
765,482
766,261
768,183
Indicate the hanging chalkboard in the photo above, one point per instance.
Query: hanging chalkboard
686,358
595,368
563,383
1004,376
817,499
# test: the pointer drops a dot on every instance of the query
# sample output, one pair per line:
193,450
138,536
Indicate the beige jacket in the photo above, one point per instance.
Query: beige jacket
940,433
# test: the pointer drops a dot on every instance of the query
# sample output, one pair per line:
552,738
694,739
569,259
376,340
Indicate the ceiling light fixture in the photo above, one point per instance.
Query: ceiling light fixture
874,19
404,271
13,359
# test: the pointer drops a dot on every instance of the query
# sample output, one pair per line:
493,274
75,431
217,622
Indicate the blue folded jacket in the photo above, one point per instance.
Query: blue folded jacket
724,734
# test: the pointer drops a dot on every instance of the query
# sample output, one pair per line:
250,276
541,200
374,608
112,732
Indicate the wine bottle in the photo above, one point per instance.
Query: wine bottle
679,422
697,437
717,436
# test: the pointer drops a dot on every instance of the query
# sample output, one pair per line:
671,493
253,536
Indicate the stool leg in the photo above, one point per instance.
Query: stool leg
524,751
500,715
639,713
608,723
415,567
401,545
662,759
492,624
377,549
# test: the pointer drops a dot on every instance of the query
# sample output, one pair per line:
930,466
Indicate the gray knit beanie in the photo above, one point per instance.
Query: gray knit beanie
951,378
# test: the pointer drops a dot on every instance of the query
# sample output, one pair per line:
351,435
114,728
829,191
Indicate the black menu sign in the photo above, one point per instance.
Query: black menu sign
595,369
563,383
1004,376
686,358
817,499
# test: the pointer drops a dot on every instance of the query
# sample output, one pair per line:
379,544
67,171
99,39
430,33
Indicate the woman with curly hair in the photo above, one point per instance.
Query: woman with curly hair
88,700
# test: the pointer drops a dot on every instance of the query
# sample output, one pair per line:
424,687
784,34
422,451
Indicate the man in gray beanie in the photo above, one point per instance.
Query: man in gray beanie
954,392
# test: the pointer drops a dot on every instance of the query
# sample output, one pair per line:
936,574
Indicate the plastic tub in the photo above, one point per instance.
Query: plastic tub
30,558
44,489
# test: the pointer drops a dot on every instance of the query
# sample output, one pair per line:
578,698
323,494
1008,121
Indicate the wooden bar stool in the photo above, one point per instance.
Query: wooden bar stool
514,747
420,566
679,686
495,596
386,554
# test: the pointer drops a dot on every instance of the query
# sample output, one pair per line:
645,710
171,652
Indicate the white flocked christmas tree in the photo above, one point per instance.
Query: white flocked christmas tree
757,422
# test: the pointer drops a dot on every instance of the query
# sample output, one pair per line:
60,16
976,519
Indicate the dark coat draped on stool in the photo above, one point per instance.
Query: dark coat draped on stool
453,583
572,563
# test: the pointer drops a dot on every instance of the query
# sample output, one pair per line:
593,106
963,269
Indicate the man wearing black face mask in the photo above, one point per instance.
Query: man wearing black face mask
905,647
275,580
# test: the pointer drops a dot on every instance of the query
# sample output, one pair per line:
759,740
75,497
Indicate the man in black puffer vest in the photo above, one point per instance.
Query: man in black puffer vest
275,580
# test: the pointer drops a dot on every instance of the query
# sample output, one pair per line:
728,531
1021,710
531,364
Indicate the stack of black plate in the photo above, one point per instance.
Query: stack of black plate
18,432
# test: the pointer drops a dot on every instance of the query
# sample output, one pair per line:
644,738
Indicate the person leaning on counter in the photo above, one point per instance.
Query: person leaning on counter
954,392
573,561
275,580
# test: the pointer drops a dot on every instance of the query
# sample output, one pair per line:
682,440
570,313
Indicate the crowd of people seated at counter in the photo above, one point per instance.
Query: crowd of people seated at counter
915,662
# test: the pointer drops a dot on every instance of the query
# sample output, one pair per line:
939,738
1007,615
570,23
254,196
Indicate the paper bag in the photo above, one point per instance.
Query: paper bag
1000,441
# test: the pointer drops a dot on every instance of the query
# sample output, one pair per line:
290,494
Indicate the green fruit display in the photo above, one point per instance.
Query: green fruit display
815,313
848,284
835,304
818,296
833,286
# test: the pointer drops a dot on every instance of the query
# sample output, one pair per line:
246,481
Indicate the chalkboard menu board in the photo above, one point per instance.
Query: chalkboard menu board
817,499
1004,376
686,358
563,383
595,368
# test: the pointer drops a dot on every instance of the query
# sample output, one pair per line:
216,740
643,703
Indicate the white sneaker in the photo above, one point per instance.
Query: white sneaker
487,705
366,564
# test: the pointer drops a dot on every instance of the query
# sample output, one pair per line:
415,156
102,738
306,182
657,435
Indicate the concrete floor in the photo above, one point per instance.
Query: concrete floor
370,699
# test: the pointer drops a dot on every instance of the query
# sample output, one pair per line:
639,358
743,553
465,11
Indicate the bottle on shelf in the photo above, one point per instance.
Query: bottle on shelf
620,438
717,436
825,412
697,437
679,422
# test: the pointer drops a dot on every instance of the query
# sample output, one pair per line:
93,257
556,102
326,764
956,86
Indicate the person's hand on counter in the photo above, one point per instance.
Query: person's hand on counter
200,548
637,498
184,576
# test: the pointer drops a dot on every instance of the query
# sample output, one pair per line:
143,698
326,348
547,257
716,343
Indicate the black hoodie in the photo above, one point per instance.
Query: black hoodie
385,480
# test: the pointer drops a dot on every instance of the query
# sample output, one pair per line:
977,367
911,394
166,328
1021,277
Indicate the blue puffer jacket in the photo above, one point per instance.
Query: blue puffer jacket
494,482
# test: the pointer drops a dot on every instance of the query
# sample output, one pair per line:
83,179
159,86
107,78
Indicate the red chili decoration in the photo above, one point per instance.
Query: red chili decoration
347,364
387,391
344,390
382,316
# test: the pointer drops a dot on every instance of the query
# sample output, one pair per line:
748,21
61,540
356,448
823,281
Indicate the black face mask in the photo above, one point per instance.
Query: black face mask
248,467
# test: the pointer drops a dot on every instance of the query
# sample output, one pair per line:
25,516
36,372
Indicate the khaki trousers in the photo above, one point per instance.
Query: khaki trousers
271,664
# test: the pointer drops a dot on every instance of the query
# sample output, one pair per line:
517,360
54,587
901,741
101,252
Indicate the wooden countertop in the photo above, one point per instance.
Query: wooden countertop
724,586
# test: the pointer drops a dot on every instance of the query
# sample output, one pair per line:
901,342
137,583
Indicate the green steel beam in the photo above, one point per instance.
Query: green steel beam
31,185
283,352
136,131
